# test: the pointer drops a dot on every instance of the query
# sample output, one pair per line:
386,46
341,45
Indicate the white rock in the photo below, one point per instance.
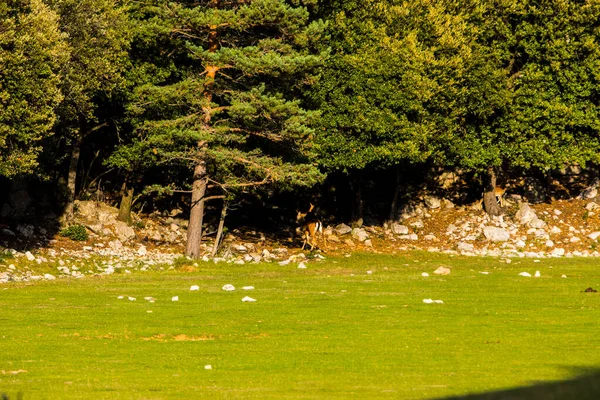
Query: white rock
228,287
248,288
496,234
425,274
558,252
194,288
208,367
121,297
399,229
594,235
438,301
525,274
442,271
282,263
302,265
150,299
142,251
537,274
29,256
49,277
485,272
427,301
369,272
248,299
131,298
563,276
525,214
175,298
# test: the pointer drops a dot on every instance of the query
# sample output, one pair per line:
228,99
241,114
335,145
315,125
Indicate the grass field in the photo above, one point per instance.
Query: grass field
329,331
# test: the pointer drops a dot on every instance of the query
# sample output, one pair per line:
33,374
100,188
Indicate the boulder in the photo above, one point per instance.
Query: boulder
123,231
525,214
399,229
496,234
342,229
359,234
432,202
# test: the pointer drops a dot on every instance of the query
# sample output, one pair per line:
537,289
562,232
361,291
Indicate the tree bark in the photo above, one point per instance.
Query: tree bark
72,177
194,233
489,197
220,230
357,205
126,202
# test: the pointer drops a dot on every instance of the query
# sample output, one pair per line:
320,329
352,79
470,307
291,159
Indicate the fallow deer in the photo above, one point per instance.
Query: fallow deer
499,193
311,226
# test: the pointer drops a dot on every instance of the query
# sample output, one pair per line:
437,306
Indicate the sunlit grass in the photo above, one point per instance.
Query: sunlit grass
329,331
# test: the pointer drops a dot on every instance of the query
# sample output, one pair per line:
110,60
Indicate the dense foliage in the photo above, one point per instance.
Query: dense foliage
230,99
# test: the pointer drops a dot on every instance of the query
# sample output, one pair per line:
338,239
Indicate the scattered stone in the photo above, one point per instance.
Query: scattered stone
302,265
175,298
228,287
29,256
442,271
248,299
537,274
194,288
342,229
590,290
496,234
594,235
399,229
248,288
425,274
527,274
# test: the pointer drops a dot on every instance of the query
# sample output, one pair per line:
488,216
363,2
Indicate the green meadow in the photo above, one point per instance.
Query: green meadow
332,330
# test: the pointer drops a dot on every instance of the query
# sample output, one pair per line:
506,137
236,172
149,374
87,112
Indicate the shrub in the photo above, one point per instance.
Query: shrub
75,232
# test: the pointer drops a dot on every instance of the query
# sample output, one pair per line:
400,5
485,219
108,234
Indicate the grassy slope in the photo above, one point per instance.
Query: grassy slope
314,333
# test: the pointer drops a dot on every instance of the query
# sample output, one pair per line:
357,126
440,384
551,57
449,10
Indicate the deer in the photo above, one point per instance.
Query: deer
499,193
311,226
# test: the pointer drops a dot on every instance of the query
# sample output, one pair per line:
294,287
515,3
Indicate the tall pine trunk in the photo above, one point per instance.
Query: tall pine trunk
126,201
73,165
489,197
194,233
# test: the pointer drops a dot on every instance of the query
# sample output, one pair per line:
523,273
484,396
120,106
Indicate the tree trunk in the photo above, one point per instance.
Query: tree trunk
194,232
489,197
72,177
220,230
126,201
357,205
394,206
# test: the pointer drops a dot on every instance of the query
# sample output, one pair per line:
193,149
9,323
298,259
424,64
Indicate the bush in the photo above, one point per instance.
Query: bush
75,232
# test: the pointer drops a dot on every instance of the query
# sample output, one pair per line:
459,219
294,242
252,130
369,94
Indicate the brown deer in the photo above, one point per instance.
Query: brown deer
311,226
499,193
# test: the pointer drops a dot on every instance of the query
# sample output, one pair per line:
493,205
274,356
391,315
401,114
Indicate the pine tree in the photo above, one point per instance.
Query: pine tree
231,111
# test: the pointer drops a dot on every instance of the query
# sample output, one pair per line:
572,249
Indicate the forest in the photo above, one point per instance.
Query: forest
257,108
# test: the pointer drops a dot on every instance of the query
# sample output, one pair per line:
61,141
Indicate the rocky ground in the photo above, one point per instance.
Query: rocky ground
563,228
